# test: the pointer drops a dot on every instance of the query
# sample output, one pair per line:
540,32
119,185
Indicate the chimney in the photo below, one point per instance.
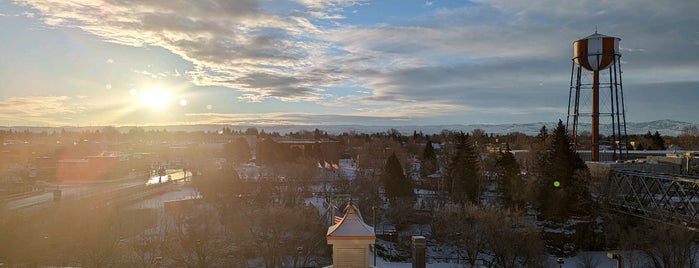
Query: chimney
419,245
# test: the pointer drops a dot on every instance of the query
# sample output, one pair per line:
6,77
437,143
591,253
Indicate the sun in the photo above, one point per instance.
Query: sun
156,98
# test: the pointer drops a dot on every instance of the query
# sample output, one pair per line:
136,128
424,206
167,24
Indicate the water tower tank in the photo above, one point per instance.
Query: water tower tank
595,52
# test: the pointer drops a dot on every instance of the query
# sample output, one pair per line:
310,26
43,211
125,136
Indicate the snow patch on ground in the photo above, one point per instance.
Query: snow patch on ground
598,258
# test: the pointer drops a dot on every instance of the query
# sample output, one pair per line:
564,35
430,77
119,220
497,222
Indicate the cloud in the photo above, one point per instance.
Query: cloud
225,40
37,106
286,119
484,56
673,100
37,109
329,9
281,87
413,113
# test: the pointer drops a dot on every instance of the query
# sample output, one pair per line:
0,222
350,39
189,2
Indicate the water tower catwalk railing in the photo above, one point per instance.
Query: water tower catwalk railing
596,53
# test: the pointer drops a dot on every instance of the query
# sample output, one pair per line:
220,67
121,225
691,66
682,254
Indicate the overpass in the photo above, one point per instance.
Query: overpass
99,193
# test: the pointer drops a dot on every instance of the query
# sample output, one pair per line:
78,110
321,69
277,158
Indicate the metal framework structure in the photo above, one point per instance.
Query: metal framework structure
671,199
579,87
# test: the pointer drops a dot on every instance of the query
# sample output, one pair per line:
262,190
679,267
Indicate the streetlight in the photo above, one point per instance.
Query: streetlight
615,256
299,250
458,247
373,210
560,262
158,260
199,252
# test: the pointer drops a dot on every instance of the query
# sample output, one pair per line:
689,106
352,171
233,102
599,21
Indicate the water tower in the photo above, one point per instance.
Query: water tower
594,55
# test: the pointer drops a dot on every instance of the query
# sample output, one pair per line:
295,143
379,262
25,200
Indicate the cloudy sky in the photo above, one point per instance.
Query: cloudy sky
328,62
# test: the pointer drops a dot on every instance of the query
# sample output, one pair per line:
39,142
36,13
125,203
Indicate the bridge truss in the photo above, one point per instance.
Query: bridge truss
671,199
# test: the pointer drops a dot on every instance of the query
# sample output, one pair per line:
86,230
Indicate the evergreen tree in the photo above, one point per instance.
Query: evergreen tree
252,131
538,149
266,152
508,174
651,141
396,184
429,159
658,141
464,170
237,151
272,153
639,147
564,179
543,134
220,187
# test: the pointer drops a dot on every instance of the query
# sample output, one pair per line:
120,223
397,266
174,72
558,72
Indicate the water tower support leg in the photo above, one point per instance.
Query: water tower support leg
595,116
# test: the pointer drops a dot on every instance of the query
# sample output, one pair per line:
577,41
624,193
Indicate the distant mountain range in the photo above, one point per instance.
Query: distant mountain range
664,127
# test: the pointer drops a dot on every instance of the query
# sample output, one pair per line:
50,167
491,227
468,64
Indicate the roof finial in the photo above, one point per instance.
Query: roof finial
595,28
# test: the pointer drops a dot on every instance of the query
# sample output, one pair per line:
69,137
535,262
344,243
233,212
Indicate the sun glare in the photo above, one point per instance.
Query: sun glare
156,98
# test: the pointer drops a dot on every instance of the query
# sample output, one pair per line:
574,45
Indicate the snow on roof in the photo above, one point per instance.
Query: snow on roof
351,226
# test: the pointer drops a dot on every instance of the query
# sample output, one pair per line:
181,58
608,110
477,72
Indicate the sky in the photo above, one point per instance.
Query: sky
332,62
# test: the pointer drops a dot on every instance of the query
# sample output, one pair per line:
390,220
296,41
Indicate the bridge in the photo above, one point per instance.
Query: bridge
668,198
99,193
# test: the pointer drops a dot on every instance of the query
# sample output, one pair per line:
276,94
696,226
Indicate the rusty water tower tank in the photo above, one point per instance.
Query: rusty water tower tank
595,52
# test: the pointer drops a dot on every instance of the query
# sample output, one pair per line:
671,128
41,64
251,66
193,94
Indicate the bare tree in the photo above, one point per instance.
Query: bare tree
276,232
84,236
671,247
509,240
689,138
146,249
468,235
196,240
514,242
662,245
20,240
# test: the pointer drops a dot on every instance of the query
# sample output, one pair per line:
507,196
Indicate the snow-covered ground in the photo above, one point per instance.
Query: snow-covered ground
158,201
348,168
598,258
